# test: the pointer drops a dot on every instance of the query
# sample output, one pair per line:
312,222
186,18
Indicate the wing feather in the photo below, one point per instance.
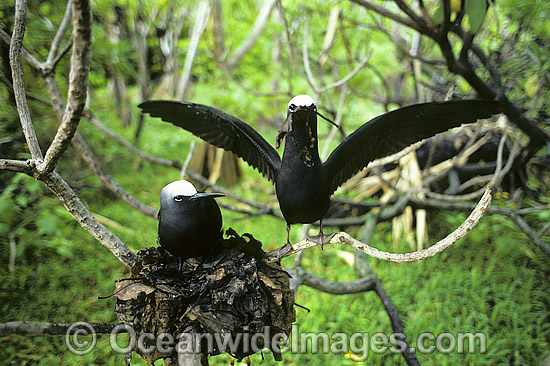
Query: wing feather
393,131
221,130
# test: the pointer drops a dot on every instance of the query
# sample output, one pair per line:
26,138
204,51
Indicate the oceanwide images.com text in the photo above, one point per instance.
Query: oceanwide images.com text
81,339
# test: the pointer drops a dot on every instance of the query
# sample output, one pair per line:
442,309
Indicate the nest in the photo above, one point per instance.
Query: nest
232,295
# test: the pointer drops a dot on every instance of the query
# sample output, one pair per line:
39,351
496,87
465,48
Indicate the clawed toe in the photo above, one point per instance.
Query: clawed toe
321,239
284,250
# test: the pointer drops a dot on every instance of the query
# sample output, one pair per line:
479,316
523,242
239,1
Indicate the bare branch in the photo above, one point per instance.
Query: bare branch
514,215
398,41
217,25
17,165
78,84
76,208
57,101
329,34
28,57
80,63
305,60
62,54
289,44
188,159
494,179
464,68
30,96
309,74
89,157
122,141
17,77
532,234
460,232
396,324
255,32
200,23
405,8
388,14
54,48
38,328
331,287
544,230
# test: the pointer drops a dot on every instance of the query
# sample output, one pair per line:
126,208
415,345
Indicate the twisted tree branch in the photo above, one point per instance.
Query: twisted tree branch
78,84
16,44
460,232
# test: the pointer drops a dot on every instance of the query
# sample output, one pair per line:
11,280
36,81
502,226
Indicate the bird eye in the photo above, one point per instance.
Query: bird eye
178,198
292,107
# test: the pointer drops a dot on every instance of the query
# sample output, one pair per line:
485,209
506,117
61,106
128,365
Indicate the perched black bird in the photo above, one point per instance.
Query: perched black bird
190,223
303,183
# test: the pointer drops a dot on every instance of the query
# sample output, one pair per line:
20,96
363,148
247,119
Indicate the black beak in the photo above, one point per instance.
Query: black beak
328,120
201,195
300,108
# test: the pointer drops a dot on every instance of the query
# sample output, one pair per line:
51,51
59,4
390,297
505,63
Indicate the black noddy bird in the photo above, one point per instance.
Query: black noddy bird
303,183
190,222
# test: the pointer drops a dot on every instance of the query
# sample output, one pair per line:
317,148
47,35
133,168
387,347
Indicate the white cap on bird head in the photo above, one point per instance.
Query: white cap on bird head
302,100
178,188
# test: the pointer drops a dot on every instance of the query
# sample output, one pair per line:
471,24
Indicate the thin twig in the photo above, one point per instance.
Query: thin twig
183,170
89,157
63,26
128,145
62,54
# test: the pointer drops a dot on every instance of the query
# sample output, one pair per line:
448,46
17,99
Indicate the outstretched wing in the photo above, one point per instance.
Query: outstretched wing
221,130
393,131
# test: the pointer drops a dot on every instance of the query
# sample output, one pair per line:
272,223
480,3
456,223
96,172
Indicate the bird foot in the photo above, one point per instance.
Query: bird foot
321,239
284,250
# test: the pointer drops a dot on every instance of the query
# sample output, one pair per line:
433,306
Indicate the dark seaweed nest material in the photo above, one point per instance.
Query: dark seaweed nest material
236,292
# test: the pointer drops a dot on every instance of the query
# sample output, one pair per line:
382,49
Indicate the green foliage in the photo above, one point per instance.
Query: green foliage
475,9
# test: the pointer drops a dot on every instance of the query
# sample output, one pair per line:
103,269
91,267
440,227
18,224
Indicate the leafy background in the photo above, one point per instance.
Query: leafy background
494,281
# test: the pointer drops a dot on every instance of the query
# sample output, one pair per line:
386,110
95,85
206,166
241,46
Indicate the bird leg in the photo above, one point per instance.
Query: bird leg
282,251
321,239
